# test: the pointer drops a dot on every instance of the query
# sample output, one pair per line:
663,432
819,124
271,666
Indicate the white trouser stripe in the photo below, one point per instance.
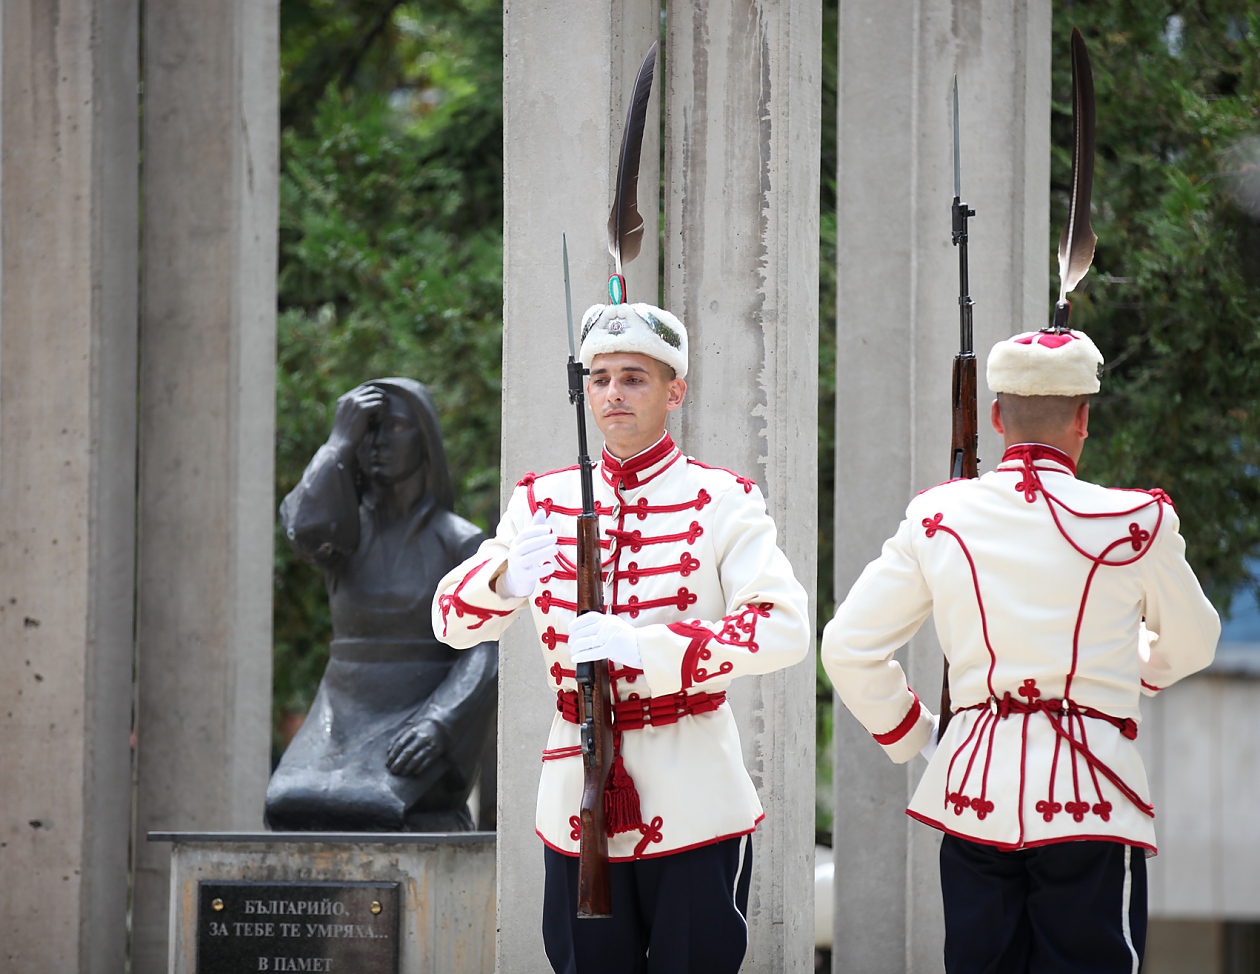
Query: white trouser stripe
743,853
1126,902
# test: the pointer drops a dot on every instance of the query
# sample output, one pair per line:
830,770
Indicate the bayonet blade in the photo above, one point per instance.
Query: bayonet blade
568,297
957,162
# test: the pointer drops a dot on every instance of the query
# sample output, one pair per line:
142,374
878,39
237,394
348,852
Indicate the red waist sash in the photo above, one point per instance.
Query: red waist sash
621,798
1008,705
638,712
1066,717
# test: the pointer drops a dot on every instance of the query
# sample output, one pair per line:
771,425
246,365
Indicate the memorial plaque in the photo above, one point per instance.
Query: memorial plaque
345,928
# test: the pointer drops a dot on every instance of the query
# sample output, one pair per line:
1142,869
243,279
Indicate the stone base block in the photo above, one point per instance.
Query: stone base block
446,887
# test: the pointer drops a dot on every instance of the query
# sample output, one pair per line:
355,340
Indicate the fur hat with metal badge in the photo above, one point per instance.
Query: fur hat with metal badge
639,328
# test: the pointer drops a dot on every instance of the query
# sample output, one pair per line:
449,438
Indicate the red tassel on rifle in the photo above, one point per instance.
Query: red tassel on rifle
621,801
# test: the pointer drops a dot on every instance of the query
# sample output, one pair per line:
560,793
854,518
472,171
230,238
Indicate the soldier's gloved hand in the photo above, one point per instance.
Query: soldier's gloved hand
597,636
929,748
530,557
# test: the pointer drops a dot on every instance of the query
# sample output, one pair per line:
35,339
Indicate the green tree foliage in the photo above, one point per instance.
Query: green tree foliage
1173,298
390,252
826,407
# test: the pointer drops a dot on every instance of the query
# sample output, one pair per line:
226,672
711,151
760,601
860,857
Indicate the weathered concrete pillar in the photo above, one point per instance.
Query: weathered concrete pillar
69,132
567,70
897,333
206,438
741,270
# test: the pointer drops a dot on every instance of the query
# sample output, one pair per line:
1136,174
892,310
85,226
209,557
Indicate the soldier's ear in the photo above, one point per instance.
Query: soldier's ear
677,393
995,417
1080,421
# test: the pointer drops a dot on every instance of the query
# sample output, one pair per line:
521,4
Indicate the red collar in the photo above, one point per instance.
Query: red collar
641,467
1030,453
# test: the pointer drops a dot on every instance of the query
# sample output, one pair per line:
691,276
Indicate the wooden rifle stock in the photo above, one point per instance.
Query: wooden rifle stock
963,461
963,464
594,698
594,891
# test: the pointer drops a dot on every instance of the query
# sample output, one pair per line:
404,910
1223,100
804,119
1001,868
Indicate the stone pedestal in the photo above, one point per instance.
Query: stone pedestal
446,888
68,258
896,336
207,396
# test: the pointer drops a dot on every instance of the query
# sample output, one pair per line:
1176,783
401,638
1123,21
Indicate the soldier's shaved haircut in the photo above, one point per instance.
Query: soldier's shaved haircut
1038,419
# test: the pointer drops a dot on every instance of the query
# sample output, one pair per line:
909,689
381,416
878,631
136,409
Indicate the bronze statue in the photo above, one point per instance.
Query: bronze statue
393,738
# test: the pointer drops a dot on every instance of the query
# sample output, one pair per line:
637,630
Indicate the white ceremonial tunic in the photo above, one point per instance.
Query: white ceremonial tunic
691,561
1038,584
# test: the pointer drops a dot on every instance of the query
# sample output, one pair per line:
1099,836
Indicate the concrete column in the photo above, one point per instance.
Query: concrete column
207,426
897,334
68,130
567,70
1197,742
741,270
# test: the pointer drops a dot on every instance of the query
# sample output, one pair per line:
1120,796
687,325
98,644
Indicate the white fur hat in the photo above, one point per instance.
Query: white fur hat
1045,363
639,328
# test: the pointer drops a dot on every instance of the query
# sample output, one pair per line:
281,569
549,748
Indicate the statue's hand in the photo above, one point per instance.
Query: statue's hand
356,411
416,747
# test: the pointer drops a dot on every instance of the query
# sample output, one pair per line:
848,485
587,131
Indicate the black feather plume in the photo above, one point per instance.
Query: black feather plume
625,223
1076,245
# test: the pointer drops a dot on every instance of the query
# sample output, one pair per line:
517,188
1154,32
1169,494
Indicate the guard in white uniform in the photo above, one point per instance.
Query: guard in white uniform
1058,603
697,593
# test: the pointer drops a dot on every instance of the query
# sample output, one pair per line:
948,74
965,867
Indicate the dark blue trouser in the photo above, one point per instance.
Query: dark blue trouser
1067,908
674,914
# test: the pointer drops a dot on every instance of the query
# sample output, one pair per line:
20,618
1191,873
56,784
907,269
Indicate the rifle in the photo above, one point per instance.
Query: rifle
963,461
625,237
594,698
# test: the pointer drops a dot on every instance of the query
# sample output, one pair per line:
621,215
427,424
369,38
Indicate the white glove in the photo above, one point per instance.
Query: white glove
929,748
531,556
595,636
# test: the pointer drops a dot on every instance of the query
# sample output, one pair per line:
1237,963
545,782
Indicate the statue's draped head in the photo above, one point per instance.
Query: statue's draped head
407,442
